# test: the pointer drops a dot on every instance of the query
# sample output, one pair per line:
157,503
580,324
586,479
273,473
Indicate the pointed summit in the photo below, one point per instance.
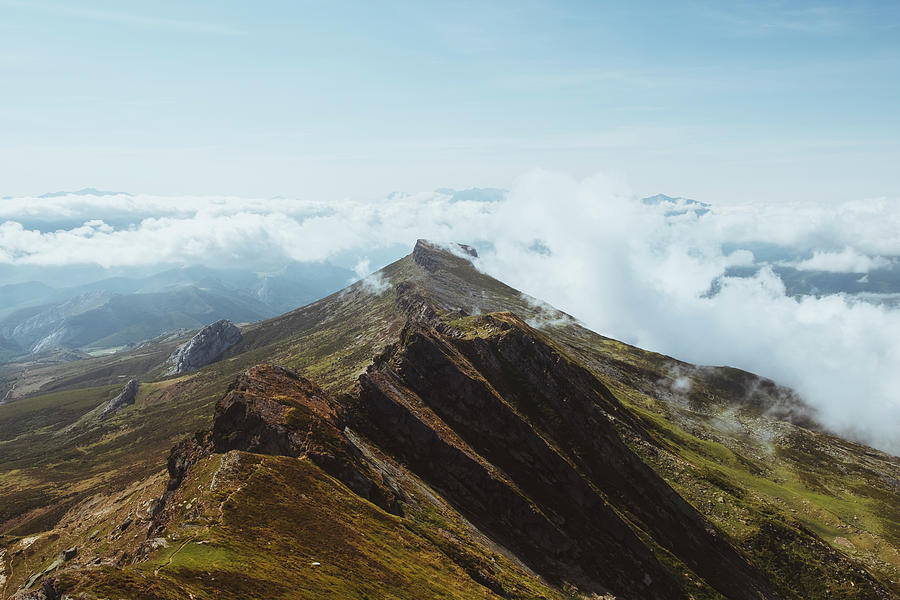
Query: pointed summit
434,256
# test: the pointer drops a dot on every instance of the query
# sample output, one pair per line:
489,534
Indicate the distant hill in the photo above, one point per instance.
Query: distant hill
678,206
83,192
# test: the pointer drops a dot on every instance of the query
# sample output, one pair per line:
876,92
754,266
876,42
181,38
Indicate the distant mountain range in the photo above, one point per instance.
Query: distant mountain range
109,314
879,285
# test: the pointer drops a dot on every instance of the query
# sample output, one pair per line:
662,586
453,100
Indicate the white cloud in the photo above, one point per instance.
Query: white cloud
630,273
869,226
847,260
625,269
217,230
373,283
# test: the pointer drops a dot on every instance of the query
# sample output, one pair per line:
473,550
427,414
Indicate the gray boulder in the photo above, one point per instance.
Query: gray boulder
125,398
204,348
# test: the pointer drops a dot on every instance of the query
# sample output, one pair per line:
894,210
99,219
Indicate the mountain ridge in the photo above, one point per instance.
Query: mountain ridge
412,386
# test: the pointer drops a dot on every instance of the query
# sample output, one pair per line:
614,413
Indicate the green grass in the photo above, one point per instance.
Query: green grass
258,535
770,512
49,412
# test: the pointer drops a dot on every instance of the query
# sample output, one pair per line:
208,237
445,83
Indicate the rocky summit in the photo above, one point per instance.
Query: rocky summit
205,347
439,435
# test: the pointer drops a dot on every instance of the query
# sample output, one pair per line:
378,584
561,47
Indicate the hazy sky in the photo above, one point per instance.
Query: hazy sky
713,100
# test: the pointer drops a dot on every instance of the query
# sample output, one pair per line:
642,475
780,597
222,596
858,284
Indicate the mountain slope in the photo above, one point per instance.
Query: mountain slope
508,454
502,387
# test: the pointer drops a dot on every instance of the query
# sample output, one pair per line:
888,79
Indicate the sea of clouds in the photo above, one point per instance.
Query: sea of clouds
642,273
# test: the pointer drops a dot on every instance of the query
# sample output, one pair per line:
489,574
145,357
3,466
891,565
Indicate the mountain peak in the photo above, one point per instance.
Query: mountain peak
659,199
433,256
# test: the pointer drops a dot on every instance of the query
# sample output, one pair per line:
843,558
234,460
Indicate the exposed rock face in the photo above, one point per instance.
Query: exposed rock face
48,590
506,420
125,398
206,347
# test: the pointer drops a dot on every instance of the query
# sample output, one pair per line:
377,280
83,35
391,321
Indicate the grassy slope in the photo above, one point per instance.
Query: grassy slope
254,525
759,479
808,508
304,516
330,341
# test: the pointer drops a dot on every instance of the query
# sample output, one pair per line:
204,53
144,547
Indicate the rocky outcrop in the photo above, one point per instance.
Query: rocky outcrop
125,398
273,410
48,590
206,347
433,257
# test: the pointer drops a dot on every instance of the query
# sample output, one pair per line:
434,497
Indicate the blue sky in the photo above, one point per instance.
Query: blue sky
715,100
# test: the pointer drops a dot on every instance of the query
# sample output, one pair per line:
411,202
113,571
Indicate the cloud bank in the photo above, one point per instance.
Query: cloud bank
846,261
639,272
